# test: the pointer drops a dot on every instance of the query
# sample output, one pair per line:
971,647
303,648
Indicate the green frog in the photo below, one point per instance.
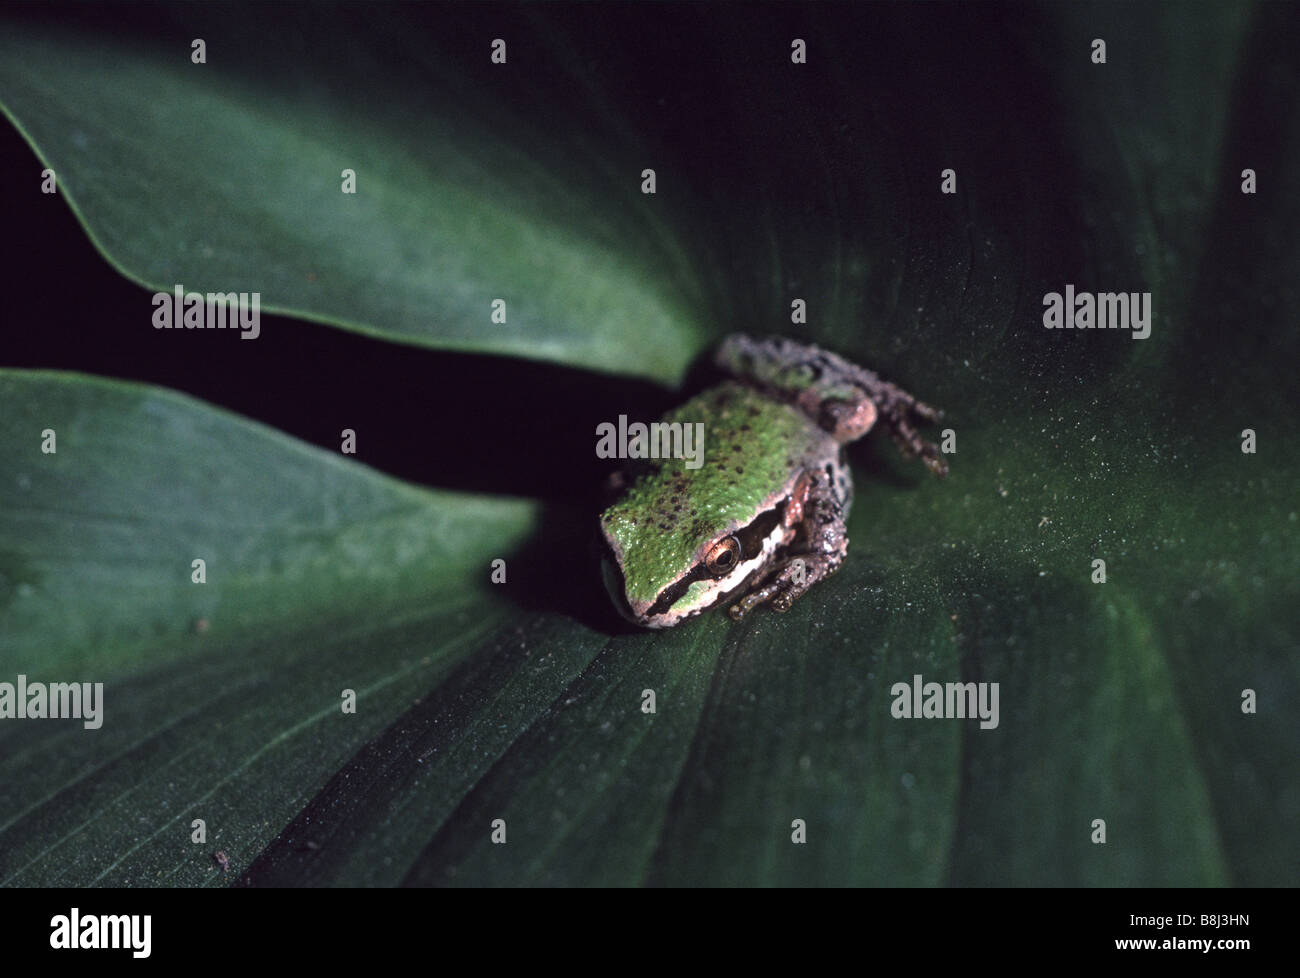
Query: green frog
763,519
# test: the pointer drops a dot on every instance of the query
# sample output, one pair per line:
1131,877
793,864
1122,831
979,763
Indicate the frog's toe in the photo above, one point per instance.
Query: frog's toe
912,445
751,601
739,610
925,412
780,595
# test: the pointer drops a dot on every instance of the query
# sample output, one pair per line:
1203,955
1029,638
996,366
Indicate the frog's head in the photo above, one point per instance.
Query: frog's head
685,535
664,570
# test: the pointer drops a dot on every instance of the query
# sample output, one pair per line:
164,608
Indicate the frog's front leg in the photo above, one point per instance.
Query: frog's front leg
819,550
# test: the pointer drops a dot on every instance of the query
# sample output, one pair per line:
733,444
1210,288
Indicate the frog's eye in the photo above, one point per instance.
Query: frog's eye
724,556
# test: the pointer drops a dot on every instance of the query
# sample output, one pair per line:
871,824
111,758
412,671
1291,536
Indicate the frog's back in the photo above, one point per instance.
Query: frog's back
750,440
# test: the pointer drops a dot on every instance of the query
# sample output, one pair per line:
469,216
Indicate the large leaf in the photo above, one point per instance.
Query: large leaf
220,696
228,176
1119,701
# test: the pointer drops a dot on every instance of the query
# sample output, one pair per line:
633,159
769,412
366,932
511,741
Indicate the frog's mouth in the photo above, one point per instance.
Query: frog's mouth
613,578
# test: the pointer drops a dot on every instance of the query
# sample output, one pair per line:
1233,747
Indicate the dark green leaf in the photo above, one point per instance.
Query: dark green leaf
227,177
1118,701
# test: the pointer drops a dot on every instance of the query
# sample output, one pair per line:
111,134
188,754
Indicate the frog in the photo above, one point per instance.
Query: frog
763,518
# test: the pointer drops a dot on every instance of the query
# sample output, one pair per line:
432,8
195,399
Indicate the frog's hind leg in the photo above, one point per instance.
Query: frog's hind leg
897,409
908,440
839,396
826,542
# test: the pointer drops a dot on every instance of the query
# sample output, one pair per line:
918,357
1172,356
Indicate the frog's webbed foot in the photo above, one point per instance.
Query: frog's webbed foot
897,417
788,583
897,409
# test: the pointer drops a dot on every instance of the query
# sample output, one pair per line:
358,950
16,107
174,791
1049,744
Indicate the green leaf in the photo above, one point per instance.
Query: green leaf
1119,701
323,577
221,699
196,175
